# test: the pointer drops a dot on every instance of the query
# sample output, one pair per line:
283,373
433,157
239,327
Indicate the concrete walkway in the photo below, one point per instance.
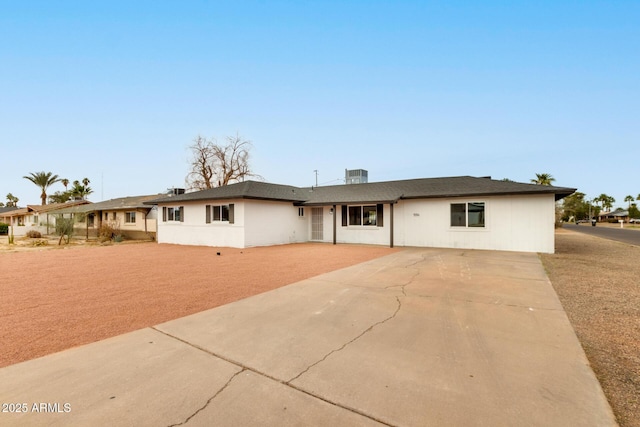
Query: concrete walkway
420,337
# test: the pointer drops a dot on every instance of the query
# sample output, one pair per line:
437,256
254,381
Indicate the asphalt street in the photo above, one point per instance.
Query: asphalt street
624,235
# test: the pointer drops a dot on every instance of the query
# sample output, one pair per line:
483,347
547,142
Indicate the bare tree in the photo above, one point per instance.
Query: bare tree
202,163
215,165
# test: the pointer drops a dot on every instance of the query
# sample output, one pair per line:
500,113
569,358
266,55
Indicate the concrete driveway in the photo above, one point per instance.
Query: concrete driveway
419,337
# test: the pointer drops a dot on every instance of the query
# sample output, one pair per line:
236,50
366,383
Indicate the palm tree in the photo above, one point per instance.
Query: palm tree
543,179
79,191
606,201
65,182
629,199
12,201
44,181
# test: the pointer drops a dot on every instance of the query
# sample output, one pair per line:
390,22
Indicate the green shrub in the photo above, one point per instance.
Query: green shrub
34,234
4,229
64,228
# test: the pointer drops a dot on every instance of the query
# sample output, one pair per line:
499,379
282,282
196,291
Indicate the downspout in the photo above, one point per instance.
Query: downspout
391,225
335,214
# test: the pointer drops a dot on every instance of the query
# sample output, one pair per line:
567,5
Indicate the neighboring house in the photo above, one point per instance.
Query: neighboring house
129,215
41,215
614,216
9,212
36,217
457,212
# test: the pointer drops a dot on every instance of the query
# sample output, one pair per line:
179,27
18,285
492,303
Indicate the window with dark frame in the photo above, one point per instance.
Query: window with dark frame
458,214
355,215
369,215
470,214
173,213
476,214
366,215
217,213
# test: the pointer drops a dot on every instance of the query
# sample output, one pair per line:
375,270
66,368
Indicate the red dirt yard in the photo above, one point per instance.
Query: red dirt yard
54,299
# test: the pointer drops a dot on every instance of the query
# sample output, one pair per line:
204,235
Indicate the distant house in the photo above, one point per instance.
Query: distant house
130,215
615,216
15,214
8,212
36,217
457,212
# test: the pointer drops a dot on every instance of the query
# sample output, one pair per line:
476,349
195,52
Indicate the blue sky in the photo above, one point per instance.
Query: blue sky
116,91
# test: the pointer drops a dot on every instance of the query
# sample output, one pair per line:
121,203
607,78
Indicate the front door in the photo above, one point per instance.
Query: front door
316,224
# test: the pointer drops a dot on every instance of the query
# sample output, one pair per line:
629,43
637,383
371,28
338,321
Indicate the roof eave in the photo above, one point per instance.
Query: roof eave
236,197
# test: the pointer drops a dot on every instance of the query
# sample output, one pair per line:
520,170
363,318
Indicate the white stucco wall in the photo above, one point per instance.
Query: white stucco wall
195,231
274,223
256,223
512,223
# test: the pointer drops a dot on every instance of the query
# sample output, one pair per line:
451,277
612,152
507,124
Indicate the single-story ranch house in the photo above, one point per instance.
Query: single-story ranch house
40,218
457,212
129,215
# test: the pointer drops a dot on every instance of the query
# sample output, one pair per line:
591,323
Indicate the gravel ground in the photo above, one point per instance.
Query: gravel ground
598,283
54,299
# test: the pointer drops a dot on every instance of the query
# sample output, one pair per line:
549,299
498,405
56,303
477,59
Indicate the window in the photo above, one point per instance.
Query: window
106,216
476,215
172,214
219,213
130,218
301,212
114,216
355,215
367,215
467,214
458,214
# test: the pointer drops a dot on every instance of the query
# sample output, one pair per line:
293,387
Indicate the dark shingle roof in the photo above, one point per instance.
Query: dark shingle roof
6,209
459,186
132,202
241,190
381,192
